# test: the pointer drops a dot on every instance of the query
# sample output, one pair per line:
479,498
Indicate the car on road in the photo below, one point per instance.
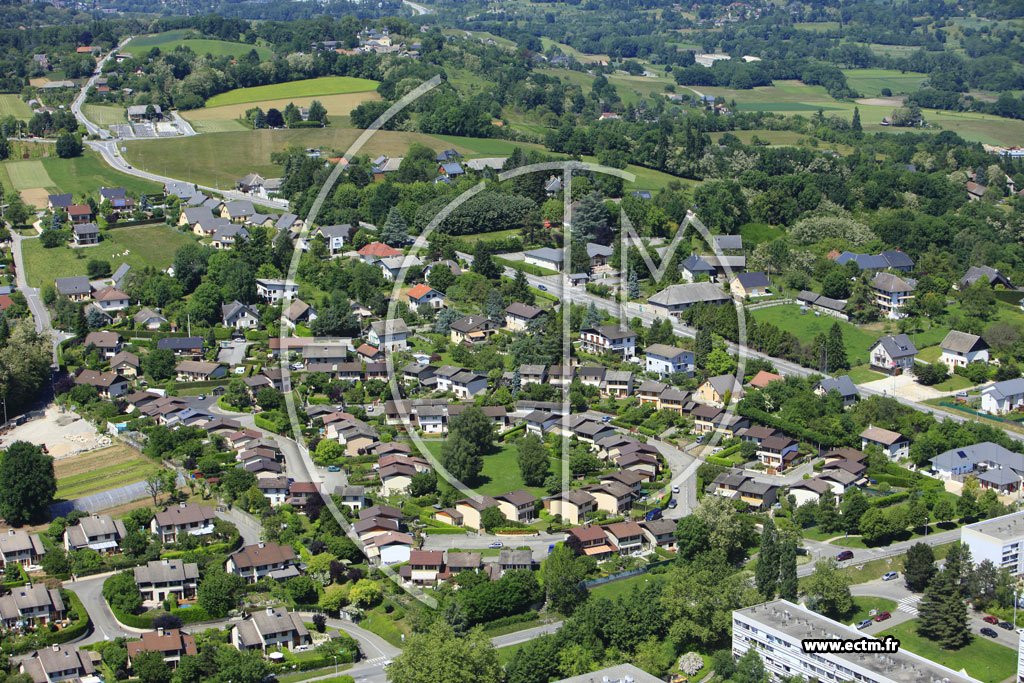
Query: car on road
845,555
989,633
889,576
989,619
333,468
606,418
672,504
369,409
1005,625
865,623
496,544
542,288
675,489
201,397
653,514
882,616
700,439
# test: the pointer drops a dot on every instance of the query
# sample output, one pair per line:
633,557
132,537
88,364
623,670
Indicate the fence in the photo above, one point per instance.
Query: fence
964,409
625,575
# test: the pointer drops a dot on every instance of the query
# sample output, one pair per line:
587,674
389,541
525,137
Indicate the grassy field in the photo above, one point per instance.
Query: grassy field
982,659
87,173
807,326
311,87
147,245
620,588
12,105
101,470
869,82
500,473
104,114
27,174
169,40
862,374
336,105
863,605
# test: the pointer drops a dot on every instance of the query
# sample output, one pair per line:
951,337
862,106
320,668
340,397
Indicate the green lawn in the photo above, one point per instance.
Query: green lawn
505,654
148,245
862,374
500,473
982,659
28,174
863,605
12,105
619,588
88,173
869,82
807,326
954,383
104,114
755,233
169,40
930,354
328,85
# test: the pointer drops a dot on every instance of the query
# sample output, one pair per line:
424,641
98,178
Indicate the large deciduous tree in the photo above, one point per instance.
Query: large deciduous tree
439,655
27,483
829,590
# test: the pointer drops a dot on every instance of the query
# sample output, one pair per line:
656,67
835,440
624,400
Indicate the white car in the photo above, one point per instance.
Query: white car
675,489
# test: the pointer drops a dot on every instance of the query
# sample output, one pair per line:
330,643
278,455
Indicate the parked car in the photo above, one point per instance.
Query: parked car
889,576
1005,625
989,633
675,489
672,504
542,288
845,555
865,623
882,616
653,514
201,397
989,619
333,468
496,544
606,418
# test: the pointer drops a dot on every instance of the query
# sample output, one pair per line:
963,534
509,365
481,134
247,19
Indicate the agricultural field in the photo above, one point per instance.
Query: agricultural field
24,175
311,87
102,470
869,82
807,326
12,105
146,245
105,114
169,40
631,89
336,105
87,173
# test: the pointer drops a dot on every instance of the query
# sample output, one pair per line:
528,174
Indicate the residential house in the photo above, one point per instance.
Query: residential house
171,643
160,579
107,343
754,284
677,298
76,287
808,490
425,298
572,506
628,478
517,506
518,316
390,548
618,383
111,299
198,371
468,384
598,254
301,492
472,329
389,335
352,497
269,628
375,251
59,201
664,360
893,354
843,385
695,268
253,562
992,465
273,290
715,390
893,444
85,233
545,257
425,566
986,274
594,541
239,316
393,267
727,243
460,562
823,304
97,531
886,260
118,199
960,349
18,546
892,293
149,319
182,346
645,464
31,606
274,489
470,509
612,497
659,533
777,452
619,340
298,312
336,236
125,364
628,536
186,518
366,529
107,384
239,212
1003,397
58,663
513,560
736,485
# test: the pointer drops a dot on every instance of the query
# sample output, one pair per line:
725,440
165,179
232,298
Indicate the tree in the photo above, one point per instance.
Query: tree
561,573
728,531
445,317
698,599
492,518
591,317
17,213
495,307
240,667
919,568
829,590
159,364
855,123
788,583
874,527
317,112
942,613
150,667
766,574
365,593
69,145
190,264
943,511
121,592
274,118
218,592
632,284
483,263
854,506
835,285
836,350
750,668
533,459
828,515
394,232
155,485
27,483
439,655
440,277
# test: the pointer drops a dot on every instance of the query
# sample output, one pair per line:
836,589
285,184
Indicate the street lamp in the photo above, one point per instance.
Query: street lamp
335,665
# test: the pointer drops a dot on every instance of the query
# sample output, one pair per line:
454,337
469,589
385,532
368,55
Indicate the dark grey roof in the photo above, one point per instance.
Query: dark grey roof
897,346
963,342
77,284
755,279
177,343
62,201
843,384
83,229
887,282
723,242
693,293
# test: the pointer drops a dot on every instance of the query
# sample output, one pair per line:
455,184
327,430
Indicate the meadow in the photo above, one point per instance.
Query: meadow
869,82
982,659
12,105
102,470
147,245
336,105
311,87
87,173
104,114
169,40
500,473
807,326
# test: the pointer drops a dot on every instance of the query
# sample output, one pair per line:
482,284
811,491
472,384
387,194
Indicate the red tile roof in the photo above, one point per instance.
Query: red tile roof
379,249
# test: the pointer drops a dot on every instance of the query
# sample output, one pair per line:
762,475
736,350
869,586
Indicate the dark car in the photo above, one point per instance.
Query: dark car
989,619
672,504
989,633
882,616
653,514
1005,625
845,555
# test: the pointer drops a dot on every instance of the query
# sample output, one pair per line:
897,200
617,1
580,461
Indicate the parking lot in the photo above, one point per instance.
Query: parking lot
63,433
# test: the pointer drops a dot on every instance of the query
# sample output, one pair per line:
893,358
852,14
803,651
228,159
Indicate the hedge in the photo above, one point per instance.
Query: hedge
202,383
45,638
504,436
718,460
886,501
511,619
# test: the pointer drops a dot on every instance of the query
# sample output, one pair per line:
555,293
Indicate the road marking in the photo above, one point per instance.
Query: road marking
909,605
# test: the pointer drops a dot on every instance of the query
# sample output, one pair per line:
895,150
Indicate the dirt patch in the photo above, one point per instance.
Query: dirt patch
881,101
86,462
63,433
38,82
36,197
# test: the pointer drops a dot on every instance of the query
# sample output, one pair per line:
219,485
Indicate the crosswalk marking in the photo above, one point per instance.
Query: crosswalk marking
909,604
377,660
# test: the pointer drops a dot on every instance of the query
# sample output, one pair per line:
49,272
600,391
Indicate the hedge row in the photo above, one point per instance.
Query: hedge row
886,501
718,460
511,619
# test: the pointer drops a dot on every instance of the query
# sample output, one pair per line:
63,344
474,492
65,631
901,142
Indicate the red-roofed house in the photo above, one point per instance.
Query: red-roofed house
369,354
426,565
375,251
595,541
80,213
763,379
424,296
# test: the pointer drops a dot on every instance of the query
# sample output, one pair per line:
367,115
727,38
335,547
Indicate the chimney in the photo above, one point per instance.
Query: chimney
10,532
160,631
270,611
261,544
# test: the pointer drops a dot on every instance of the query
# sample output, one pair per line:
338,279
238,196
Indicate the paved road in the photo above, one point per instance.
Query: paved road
247,526
76,105
471,541
418,8
821,550
35,302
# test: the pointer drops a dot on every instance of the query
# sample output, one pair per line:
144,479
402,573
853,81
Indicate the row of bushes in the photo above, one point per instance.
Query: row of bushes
891,499
511,619
718,460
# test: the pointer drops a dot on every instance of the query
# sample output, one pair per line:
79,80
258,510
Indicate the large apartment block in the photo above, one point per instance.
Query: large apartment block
999,539
777,631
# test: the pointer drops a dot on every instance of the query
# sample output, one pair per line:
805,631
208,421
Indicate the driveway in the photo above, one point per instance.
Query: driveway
233,353
904,386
